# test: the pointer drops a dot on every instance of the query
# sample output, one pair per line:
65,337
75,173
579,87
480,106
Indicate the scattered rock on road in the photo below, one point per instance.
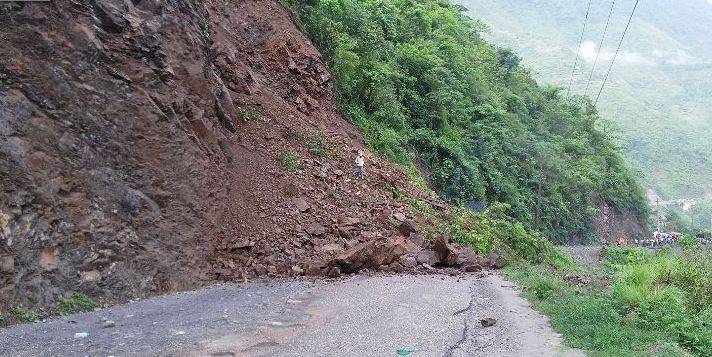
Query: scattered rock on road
488,321
297,270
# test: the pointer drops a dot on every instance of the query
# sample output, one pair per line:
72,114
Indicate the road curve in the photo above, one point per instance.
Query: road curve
432,315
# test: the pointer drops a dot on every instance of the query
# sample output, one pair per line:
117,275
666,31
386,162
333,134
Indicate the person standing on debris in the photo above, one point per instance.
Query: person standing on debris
359,165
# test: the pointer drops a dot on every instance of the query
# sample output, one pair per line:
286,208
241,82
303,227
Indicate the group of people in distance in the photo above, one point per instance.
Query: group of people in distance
659,239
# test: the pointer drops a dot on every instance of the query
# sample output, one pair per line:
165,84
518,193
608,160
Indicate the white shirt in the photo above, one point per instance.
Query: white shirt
359,161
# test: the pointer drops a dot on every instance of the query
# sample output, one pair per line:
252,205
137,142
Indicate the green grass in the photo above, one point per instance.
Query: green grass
24,315
589,321
655,306
315,145
289,160
248,114
78,302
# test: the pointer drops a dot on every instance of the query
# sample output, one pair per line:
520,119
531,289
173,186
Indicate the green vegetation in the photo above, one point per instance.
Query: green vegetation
289,160
248,114
659,90
24,315
495,230
78,302
695,221
418,79
654,304
315,145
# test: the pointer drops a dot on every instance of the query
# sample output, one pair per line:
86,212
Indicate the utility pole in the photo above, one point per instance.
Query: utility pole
538,194
660,219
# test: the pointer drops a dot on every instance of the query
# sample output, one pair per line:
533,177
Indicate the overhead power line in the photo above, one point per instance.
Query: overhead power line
600,45
605,79
578,47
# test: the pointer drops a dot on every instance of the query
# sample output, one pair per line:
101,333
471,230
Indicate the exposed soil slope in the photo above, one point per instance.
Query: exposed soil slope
143,148
612,225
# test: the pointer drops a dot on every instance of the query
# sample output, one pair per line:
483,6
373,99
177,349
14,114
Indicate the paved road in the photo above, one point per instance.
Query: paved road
360,316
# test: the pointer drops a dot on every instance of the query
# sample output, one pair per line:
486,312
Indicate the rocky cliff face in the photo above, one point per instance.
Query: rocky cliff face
149,146
612,225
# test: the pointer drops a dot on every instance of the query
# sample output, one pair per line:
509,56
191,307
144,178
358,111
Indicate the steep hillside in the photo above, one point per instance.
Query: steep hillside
429,92
660,91
152,146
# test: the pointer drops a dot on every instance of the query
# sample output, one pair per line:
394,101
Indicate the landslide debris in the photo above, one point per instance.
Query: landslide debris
148,147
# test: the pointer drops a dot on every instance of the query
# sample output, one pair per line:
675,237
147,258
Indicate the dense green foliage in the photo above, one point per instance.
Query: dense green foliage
495,230
418,79
657,304
660,90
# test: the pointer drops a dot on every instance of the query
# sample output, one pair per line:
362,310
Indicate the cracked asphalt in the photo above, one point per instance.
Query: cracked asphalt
433,315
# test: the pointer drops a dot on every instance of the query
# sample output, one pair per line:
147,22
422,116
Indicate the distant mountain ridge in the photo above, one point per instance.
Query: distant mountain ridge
659,92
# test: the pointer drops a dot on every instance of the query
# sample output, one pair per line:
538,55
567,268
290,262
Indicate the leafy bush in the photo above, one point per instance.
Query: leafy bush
689,242
543,289
605,325
475,230
495,227
658,304
617,256
289,160
669,349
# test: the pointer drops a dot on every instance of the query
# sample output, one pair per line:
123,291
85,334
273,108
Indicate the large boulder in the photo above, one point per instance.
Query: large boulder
113,15
372,254
447,253
467,257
